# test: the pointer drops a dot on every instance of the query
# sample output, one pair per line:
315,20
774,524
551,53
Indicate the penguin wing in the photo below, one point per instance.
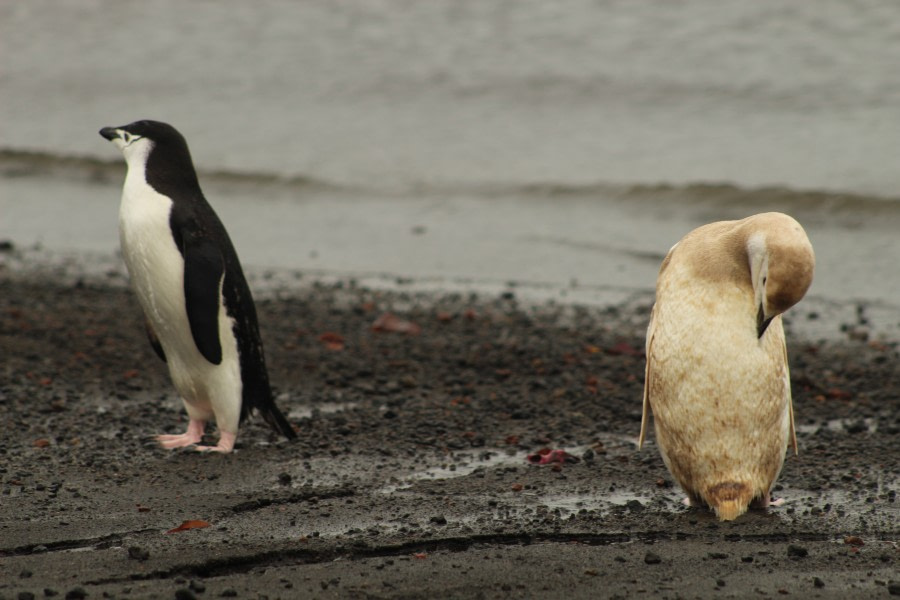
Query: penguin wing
790,399
648,373
204,272
154,341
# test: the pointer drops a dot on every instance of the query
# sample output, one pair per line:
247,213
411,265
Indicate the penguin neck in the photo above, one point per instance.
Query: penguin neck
169,171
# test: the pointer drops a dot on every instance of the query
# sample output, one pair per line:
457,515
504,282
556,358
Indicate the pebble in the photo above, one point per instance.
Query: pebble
652,558
138,553
797,551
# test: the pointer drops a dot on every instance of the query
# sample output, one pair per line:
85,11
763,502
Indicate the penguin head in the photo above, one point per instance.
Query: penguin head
139,139
781,266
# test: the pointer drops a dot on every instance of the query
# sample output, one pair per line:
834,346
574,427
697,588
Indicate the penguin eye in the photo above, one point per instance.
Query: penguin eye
128,138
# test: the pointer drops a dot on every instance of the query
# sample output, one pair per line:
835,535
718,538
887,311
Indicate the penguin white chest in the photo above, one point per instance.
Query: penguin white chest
153,260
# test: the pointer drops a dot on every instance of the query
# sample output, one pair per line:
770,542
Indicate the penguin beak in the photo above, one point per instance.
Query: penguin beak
762,323
110,133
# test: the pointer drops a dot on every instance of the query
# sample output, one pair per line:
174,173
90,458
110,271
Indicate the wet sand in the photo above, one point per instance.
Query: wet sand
410,478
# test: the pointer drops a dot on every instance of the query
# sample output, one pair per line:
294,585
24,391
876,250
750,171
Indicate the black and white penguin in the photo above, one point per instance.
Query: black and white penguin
185,272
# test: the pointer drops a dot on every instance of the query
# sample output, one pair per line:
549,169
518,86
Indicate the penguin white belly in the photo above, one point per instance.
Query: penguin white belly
723,402
156,268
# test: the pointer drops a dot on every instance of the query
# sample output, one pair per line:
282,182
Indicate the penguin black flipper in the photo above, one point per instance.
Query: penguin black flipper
154,341
204,270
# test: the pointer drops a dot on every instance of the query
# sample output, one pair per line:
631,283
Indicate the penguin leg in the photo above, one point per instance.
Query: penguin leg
225,445
193,435
766,501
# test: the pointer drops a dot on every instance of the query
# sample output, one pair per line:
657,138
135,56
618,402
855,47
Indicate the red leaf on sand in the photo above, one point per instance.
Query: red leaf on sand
444,317
421,555
512,440
185,526
332,341
624,348
389,322
130,373
517,487
546,456
854,540
41,443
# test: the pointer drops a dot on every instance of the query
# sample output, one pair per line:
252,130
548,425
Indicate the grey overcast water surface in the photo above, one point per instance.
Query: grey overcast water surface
556,144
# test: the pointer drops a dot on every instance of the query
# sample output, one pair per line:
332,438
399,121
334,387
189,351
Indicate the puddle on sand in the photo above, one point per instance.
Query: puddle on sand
867,425
307,411
603,501
466,465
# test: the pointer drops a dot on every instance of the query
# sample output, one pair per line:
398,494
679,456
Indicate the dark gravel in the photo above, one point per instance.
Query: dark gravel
410,477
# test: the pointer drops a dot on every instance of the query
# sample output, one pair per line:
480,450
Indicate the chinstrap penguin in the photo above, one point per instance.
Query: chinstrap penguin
717,377
200,315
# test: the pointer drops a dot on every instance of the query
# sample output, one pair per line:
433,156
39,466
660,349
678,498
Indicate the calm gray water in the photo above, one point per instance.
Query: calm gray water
558,144
503,93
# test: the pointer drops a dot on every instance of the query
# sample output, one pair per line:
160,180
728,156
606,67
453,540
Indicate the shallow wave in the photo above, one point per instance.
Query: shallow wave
16,163
26,163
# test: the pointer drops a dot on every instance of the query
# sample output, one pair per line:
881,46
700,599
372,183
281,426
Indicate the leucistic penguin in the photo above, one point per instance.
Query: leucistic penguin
717,377
185,272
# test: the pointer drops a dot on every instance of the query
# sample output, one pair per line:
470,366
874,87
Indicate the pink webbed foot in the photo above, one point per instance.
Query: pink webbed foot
193,435
766,502
225,445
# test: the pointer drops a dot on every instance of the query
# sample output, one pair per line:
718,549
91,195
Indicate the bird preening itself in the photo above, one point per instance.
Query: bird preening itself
717,377
185,272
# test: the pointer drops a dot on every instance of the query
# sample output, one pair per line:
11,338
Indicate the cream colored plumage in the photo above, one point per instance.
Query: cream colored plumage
717,376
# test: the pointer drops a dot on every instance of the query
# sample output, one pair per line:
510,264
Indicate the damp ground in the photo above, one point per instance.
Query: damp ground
411,476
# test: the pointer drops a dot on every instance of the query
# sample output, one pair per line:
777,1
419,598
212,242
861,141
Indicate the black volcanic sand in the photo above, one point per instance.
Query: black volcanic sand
410,477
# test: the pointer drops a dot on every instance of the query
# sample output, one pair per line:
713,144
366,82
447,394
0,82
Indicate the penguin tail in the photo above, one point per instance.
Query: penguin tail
278,422
729,499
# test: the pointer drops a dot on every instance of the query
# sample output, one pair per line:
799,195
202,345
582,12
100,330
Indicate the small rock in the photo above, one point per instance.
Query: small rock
285,478
197,586
652,558
818,582
894,588
634,506
717,555
77,593
25,574
228,593
439,520
797,551
138,553
25,596
50,592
